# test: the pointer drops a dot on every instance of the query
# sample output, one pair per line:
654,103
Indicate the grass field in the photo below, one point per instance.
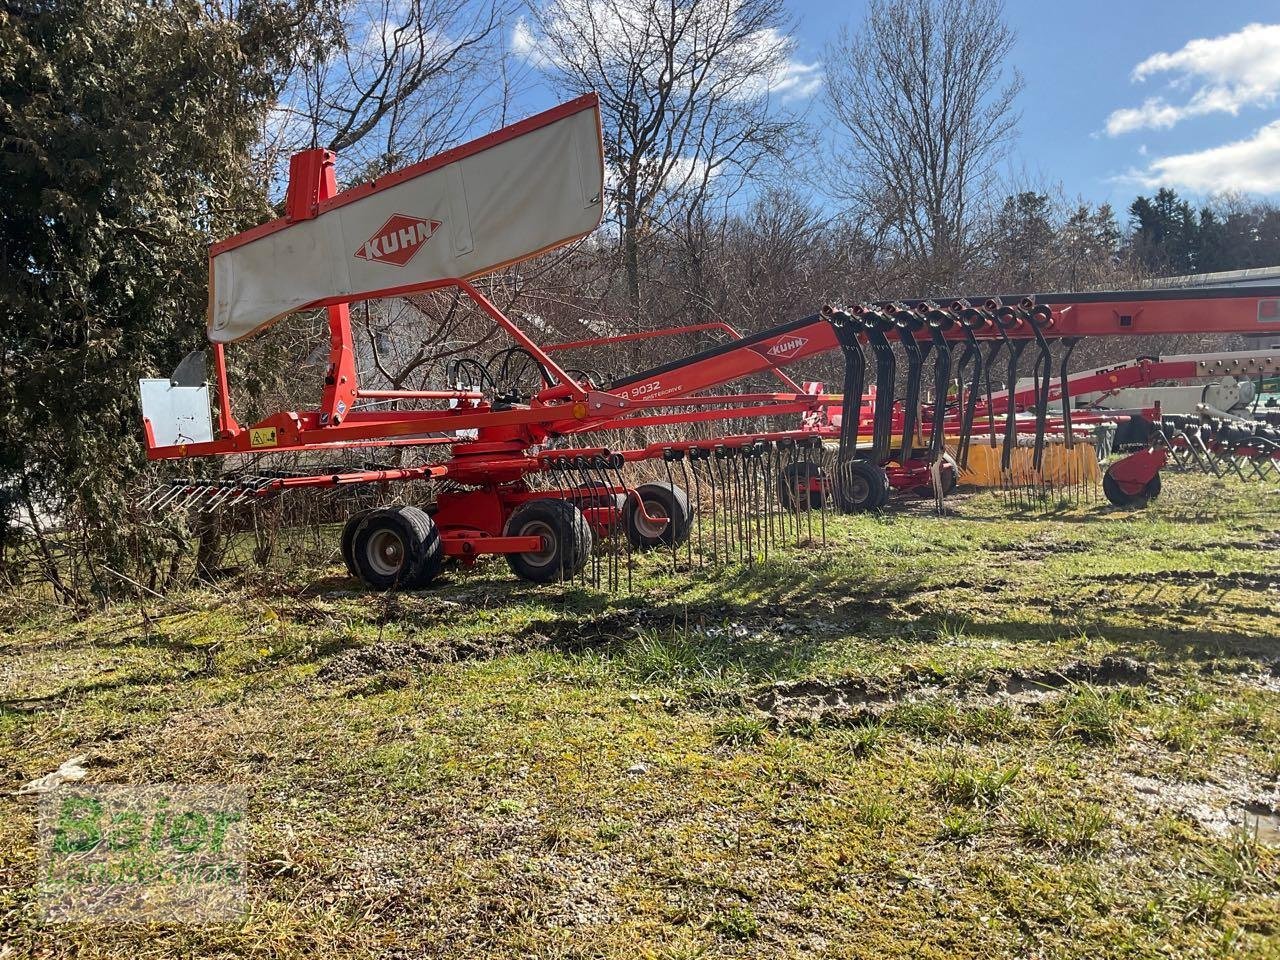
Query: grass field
981,735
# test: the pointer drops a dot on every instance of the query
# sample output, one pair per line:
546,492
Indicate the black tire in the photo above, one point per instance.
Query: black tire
568,535
1152,489
660,500
348,537
798,476
593,495
1116,494
397,548
597,499
863,486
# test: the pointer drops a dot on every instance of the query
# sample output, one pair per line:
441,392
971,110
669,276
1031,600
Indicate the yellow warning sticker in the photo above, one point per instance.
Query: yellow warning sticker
262,437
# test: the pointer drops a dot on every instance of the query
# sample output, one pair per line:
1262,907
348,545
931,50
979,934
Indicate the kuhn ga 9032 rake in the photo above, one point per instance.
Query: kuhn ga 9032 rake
505,477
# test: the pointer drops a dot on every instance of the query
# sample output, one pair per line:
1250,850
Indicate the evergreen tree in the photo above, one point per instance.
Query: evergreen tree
1166,233
126,131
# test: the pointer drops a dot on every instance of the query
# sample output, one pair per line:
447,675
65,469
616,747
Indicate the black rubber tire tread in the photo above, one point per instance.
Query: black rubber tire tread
1152,489
424,551
572,534
675,504
588,499
876,490
800,470
345,541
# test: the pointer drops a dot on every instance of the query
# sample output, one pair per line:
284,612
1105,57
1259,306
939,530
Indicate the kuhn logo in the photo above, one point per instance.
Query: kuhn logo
398,240
787,347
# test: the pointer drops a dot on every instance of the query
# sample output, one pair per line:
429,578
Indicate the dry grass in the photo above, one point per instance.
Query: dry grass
492,769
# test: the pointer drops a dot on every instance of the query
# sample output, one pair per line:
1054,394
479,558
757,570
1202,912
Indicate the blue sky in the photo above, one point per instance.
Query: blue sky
1077,59
1195,115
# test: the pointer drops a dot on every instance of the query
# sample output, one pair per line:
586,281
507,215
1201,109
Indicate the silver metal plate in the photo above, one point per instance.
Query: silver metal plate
177,414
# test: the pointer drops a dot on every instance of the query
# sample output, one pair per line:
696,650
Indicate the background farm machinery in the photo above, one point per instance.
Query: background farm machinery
524,458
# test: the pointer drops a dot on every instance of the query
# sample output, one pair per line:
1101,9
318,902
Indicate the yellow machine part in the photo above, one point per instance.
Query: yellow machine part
1060,466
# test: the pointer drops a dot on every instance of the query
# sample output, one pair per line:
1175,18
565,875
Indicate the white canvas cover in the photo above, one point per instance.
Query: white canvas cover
507,197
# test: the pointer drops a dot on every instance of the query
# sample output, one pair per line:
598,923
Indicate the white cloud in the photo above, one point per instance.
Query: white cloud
1154,114
1228,73
792,79
525,46
1247,166
621,31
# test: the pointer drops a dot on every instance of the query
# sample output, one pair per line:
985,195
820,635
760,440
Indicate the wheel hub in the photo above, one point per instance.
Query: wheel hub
657,512
536,528
386,553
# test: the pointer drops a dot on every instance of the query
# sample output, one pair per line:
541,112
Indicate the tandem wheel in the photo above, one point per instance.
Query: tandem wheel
394,548
566,535
662,501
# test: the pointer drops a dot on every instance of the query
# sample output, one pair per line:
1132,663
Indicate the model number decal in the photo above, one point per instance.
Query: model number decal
643,390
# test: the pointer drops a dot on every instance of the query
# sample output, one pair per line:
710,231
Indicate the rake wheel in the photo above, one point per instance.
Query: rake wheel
661,501
396,548
567,540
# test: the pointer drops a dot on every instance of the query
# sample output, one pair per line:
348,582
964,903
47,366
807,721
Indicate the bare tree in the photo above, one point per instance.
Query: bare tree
924,115
394,81
685,89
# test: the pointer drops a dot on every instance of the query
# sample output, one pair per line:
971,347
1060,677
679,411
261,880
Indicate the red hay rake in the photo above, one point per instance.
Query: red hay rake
504,476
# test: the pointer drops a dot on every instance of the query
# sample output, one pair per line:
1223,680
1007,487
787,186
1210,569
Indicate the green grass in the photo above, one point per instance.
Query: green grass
490,768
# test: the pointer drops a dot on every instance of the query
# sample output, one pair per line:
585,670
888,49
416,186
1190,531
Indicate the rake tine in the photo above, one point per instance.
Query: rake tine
586,482
709,474
668,456
695,457
600,483
695,508
757,499
594,468
720,453
231,490
175,493
741,529
757,491
152,495
211,493
248,490
225,490
613,470
908,323
764,456
193,492
973,354
620,542
992,352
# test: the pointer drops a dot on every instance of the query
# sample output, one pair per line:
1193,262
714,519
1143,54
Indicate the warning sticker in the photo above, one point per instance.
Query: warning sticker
262,437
